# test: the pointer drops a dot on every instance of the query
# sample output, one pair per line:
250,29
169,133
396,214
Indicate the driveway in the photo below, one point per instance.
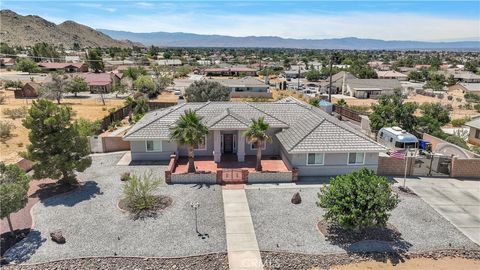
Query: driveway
457,201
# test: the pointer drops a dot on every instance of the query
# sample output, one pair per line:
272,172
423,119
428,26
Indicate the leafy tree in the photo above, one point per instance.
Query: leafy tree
313,75
357,200
44,50
119,88
167,55
391,111
76,85
55,89
145,84
472,66
183,71
13,191
201,91
256,135
437,111
5,49
435,81
138,191
415,76
134,72
27,65
87,127
57,148
13,84
190,131
94,59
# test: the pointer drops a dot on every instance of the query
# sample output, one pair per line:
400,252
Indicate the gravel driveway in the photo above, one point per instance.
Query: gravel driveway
94,226
283,226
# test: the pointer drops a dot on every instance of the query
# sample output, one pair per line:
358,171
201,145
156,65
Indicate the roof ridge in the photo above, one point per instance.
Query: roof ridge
308,133
251,105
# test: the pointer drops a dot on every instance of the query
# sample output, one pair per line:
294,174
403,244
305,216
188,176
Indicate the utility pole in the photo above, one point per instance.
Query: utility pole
330,84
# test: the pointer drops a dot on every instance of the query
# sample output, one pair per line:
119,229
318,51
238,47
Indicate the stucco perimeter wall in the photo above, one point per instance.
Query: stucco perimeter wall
466,168
393,166
194,178
269,177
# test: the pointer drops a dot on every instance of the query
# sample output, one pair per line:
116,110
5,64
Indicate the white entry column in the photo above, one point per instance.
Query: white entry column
241,146
217,151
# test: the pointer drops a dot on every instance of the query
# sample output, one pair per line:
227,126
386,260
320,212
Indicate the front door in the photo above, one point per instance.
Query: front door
227,143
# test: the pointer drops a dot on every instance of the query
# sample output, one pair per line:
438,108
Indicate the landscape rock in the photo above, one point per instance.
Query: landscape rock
296,199
57,237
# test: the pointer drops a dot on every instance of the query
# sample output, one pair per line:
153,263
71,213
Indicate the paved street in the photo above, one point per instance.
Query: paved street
457,201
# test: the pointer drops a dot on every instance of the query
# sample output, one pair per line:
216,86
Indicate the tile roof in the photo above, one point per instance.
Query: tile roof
55,65
374,83
304,128
474,123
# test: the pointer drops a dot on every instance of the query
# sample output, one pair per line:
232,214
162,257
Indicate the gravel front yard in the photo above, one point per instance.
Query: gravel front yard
283,226
94,226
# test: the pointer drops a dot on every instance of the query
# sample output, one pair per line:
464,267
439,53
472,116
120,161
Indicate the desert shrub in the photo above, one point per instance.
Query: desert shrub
138,191
458,99
125,176
6,129
440,96
114,125
449,107
357,200
15,112
2,99
468,106
459,122
477,107
472,97
450,98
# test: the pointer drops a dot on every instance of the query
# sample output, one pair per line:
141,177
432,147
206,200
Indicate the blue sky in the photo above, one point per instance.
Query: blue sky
390,20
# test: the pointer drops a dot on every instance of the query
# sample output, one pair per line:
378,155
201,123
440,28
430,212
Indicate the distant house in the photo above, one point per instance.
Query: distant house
467,77
65,67
371,88
338,82
230,71
391,74
246,86
419,67
28,90
168,62
294,73
474,134
379,65
100,82
7,63
466,87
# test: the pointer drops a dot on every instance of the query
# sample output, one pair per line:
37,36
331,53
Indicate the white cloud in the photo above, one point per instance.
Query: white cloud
388,26
145,4
96,6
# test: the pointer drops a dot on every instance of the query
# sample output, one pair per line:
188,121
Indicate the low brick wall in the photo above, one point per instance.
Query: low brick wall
466,168
393,166
170,169
269,177
194,178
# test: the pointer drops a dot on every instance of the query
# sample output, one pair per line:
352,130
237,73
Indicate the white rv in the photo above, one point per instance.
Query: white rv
396,138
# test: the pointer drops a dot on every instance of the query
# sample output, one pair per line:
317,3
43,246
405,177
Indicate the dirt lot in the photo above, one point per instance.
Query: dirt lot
91,109
417,263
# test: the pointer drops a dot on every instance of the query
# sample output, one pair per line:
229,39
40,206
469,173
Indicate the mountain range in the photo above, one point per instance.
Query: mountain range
16,29
179,39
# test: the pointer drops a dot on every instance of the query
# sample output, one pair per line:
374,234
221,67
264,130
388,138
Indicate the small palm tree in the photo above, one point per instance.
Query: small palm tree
257,135
189,131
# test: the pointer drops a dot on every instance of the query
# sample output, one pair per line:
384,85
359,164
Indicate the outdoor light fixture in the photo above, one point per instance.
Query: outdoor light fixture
195,206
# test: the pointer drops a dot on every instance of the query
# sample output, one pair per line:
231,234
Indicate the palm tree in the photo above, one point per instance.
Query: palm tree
257,135
189,131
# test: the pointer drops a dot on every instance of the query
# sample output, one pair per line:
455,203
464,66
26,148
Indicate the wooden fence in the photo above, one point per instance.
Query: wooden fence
348,113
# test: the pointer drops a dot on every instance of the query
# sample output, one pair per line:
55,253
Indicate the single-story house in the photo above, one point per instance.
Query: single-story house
338,82
168,62
474,133
466,87
294,73
391,74
379,65
245,84
371,88
100,82
28,90
230,71
65,67
467,77
308,139
7,62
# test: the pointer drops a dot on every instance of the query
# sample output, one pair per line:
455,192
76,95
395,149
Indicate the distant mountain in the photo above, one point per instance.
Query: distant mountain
27,30
194,40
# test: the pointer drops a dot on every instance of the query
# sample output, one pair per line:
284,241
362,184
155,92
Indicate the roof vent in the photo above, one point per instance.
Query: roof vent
397,129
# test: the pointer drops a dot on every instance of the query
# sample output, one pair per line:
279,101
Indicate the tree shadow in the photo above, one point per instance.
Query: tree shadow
381,243
85,192
25,249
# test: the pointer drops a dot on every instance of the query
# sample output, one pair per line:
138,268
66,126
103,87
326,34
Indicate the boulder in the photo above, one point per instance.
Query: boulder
57,237
296,199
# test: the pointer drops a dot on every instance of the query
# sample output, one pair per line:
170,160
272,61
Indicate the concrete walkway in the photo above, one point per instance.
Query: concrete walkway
242,246
456,200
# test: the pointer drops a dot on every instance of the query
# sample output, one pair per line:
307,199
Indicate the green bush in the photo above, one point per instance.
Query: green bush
15,112
459,122
138,191
357,200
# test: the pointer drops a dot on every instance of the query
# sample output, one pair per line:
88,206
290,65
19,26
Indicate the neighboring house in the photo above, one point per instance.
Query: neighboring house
230,71
379,65
391,74
419,67
338,82
245,84
7,63
474,134
64,67
28,90
100,82
466,87
305,137
371,88
467,77
294,73
168,62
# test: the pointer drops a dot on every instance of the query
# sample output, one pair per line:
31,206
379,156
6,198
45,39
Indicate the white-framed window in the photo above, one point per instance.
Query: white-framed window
253,147
315,158
153,146
202,145
356,158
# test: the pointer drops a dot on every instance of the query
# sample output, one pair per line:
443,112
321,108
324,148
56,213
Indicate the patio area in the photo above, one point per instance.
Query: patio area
207,164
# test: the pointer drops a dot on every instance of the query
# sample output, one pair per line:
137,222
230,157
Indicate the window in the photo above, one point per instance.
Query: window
315,158
356,158
202,145
477,133
154,146
253,147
